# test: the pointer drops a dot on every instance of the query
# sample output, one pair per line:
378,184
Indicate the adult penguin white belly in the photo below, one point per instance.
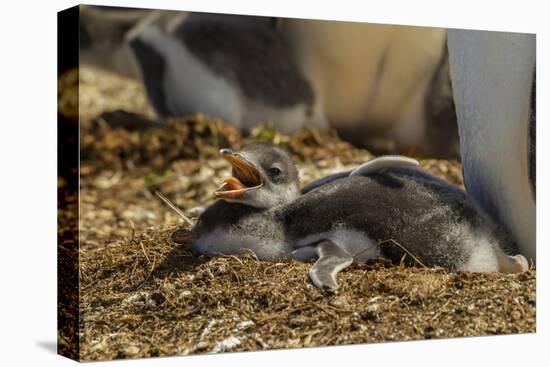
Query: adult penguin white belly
372,80
493,84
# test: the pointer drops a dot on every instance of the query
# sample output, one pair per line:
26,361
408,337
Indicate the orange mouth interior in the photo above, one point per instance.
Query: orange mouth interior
244,178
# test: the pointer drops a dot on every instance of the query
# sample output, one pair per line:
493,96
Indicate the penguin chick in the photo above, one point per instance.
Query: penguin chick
381,211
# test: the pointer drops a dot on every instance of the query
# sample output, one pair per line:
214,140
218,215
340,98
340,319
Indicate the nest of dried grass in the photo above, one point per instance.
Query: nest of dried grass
141,295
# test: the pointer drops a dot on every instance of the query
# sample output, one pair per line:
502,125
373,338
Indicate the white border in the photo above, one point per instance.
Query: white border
28,179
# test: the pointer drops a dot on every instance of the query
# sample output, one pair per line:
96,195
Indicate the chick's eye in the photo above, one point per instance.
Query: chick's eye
274,171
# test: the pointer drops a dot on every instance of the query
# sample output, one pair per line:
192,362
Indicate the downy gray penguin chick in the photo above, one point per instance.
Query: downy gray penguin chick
354,215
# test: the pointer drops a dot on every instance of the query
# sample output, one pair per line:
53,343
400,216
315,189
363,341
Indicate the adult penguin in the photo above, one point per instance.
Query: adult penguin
493,78
233,67
386,87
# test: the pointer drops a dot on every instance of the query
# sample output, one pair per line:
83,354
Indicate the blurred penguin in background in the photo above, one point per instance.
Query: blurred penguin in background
234,67
493,78
380,85
383,87
102,37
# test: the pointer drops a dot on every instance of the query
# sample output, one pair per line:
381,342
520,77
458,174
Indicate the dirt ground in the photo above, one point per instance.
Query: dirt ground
141,295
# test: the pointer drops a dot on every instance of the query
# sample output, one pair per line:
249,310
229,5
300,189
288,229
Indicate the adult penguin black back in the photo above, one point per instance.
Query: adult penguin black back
376,210
237,68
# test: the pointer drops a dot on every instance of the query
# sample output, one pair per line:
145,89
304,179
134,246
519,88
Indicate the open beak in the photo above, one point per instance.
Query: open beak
244,177
181,235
